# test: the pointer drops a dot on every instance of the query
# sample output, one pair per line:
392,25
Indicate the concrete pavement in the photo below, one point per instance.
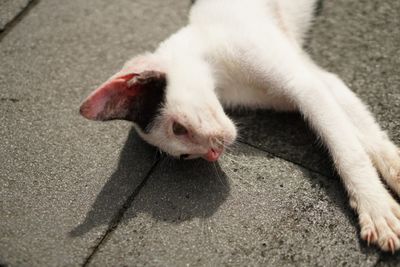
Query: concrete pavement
10,10
75,192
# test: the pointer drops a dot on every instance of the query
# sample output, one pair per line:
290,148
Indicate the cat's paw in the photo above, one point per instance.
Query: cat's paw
380,225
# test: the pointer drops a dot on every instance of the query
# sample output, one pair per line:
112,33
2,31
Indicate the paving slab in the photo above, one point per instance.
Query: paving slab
10,9
253,224
62,178
251,209
358,40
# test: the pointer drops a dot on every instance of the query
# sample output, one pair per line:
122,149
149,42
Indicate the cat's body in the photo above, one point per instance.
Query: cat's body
249,53
228,49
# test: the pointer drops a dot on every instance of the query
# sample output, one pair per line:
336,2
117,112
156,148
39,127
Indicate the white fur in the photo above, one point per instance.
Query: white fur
248,53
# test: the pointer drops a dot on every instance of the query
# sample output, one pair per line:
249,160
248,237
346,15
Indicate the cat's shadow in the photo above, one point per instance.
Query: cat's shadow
177,190
182,190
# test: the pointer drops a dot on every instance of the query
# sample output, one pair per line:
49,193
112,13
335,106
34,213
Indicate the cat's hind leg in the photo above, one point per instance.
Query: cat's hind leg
383,153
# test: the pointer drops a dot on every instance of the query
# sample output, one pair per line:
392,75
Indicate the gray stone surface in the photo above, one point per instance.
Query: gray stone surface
9,9
250,210
63,178
348,41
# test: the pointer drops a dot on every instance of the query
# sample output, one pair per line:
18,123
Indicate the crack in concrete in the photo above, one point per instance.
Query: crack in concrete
285,159
19,17
120,214
11,99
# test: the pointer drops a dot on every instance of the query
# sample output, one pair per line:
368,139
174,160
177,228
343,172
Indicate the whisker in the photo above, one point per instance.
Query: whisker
219,177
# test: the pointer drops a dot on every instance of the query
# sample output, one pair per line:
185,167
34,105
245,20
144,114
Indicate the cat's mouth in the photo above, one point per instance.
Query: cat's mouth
212,155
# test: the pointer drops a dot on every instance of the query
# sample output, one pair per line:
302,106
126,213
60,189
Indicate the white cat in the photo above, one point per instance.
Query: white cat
249,53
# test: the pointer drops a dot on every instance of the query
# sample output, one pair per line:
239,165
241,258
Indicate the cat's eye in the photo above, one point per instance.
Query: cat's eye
179,129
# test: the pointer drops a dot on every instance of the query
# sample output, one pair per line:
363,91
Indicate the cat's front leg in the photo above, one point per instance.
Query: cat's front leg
379,214
384,154
292,73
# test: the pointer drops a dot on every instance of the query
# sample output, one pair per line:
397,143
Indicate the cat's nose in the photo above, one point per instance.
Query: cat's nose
213,154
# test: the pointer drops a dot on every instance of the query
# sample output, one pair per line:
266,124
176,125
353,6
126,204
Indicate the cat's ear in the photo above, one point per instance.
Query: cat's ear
129,96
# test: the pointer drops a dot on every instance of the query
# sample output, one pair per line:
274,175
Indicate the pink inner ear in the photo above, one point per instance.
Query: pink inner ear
106,102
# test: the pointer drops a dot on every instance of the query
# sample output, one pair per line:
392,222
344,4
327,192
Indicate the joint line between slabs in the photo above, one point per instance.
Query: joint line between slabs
120,214
282,158
18,18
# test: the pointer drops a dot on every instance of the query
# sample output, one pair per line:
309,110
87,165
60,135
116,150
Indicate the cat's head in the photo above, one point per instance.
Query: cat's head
182,117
